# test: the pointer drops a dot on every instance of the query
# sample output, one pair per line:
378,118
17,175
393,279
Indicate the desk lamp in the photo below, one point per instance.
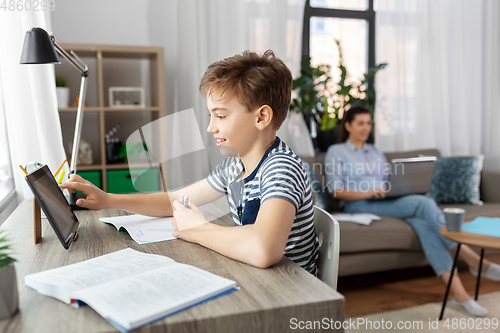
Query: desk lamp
40,48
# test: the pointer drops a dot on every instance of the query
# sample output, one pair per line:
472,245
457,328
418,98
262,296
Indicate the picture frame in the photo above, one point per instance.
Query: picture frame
126,97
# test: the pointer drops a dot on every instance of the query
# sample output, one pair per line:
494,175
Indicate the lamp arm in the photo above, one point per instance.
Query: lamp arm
67,56
78,125
82,67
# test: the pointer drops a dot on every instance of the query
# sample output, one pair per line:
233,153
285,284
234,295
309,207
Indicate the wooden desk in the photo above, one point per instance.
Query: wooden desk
472,239
267,301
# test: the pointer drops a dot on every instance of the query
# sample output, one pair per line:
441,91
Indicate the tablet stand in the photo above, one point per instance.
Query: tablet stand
37,221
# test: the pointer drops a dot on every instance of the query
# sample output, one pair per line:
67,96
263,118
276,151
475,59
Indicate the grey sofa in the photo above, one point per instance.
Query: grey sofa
391,243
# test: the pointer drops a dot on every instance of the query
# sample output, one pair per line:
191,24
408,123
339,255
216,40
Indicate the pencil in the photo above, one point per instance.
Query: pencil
59,168
185,201
23,169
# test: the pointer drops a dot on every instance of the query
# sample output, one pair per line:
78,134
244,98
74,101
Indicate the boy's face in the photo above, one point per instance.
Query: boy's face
232,125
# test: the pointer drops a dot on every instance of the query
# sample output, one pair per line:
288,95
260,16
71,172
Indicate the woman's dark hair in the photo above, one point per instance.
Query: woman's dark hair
349,116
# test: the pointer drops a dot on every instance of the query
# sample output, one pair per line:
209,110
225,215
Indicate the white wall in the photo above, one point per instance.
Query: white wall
118,22
114,22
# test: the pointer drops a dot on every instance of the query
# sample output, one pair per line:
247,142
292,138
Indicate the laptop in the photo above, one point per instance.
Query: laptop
409,176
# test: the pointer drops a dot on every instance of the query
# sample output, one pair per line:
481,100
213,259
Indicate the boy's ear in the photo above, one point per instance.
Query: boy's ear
264,117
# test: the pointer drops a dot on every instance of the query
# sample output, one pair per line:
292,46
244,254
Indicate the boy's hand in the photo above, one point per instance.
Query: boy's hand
96,198
186,218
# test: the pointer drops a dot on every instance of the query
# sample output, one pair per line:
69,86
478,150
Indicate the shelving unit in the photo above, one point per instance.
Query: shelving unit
110,65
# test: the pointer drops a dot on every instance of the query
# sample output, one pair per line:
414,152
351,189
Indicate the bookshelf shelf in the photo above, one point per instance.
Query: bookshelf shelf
112,66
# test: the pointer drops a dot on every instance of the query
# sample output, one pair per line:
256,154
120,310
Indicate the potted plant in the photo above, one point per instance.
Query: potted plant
311,100
323,101
8,287
62,92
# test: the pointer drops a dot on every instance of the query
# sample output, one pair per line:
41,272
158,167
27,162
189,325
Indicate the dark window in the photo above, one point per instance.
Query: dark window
350,21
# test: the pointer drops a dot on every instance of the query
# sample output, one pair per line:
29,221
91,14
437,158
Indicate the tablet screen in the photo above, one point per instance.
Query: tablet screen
53,203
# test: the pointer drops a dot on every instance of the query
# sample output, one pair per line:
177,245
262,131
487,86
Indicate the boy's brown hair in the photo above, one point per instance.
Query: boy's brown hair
254,79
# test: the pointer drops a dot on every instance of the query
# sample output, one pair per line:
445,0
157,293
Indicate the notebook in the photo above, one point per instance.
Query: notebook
489,226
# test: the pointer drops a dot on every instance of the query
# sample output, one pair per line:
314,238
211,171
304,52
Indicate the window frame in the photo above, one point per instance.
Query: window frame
368,15
8,202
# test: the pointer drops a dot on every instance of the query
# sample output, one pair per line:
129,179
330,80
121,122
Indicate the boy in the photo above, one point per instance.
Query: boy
248,97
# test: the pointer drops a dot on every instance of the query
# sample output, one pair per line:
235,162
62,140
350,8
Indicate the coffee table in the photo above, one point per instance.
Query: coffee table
472,239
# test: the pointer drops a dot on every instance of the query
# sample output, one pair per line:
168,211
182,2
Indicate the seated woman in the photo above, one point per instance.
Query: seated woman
355,172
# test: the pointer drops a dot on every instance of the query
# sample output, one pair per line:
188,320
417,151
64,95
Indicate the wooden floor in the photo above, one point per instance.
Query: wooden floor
388,291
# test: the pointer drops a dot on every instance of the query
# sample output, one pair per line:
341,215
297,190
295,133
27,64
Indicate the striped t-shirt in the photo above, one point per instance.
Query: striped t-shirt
280,174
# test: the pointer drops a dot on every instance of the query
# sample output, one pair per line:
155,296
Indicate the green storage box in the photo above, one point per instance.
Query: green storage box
92,176
122,181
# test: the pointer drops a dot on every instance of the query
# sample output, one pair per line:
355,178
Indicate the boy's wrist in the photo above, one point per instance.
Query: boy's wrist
196,234
111,201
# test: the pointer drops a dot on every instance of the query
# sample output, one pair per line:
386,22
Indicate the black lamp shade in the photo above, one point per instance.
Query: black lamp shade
38,48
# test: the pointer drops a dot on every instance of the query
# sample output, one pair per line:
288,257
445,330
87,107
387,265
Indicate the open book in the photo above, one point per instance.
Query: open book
143,229
130,288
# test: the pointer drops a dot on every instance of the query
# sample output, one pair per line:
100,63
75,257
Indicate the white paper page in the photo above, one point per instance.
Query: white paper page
151,232
373,216
92,272
126,220
144,229
141,299
356,218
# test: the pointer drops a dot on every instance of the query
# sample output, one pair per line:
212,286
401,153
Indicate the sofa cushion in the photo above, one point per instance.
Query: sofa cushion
490,183
387,234
378,261
456,180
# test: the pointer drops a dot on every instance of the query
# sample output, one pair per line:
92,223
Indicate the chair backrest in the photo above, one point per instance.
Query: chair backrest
328,231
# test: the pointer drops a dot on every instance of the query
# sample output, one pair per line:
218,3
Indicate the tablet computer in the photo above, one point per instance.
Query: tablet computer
53,203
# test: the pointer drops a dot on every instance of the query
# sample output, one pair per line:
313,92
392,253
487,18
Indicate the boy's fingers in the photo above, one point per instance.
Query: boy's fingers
70,190
192,206
64,185
82,203
177,205
75,178
73,186
86,203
